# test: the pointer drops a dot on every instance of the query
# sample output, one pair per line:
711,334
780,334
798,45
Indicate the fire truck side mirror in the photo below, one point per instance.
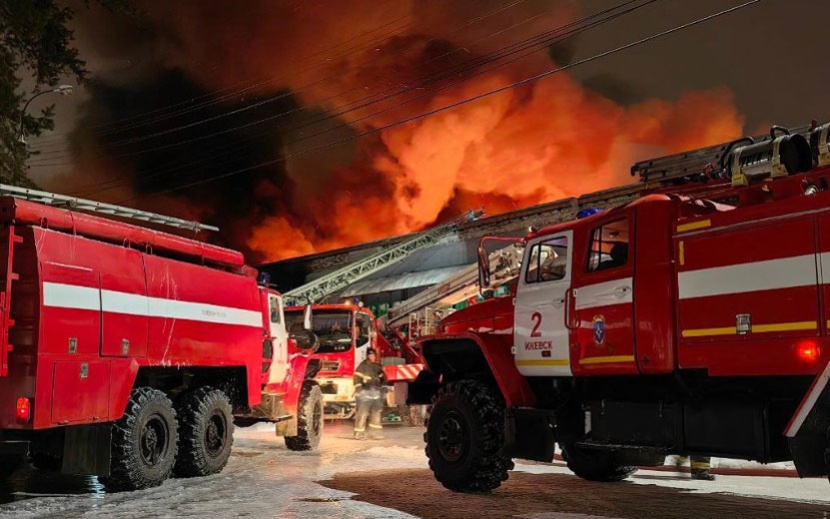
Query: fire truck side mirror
483,268
306,340
308,324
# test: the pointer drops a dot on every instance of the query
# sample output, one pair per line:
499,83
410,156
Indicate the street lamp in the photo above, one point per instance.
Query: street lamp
63,90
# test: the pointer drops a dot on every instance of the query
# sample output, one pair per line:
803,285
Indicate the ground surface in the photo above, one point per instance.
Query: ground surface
389,479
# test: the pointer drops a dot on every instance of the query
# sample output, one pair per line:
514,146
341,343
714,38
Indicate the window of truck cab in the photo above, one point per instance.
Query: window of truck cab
333,328
547,260
274,308
609,246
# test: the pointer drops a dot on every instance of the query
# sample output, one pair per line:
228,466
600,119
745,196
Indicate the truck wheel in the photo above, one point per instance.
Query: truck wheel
144,442
309,419
594,464
465,438
205,432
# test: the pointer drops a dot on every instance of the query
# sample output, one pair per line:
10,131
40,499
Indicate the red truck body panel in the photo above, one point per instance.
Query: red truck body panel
87,303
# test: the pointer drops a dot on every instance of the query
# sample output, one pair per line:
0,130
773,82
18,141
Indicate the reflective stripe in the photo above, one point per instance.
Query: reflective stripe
757,328
796,271
60,295
373,426
691,226
608,359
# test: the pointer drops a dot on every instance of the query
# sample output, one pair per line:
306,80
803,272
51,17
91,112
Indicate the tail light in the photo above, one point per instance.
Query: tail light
808,351
23,409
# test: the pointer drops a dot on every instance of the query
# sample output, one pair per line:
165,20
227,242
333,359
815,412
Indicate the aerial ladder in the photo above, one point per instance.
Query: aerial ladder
419,312
333,282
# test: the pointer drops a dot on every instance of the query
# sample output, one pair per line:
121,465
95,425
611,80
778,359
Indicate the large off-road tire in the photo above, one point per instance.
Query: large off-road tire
465,437
309,419
595,464
144,442
205,432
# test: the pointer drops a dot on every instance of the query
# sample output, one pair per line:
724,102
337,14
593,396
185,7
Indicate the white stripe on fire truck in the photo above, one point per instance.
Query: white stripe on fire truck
796,271
607,293
59,295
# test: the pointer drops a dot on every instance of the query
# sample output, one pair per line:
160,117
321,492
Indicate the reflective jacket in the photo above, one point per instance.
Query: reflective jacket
369,375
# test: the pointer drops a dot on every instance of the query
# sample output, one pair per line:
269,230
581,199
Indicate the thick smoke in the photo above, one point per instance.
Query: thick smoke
329,71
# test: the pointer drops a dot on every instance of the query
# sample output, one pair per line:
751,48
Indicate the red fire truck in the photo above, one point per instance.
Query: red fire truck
125,351
345,333
693,320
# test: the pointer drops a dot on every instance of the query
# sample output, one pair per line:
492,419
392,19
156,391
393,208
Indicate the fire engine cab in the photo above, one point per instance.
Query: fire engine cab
345,332
692,320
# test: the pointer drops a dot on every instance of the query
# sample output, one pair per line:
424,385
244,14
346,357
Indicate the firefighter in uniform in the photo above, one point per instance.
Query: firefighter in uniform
700,466
368,382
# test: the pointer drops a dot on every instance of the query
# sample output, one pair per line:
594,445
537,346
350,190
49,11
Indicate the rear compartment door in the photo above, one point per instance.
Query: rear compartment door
124,305
748,296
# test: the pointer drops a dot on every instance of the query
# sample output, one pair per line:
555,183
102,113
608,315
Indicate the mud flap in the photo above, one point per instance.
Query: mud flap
808,433
530,434
86,449
808,446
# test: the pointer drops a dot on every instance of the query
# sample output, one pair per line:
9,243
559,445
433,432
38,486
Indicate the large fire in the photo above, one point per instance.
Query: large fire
551,139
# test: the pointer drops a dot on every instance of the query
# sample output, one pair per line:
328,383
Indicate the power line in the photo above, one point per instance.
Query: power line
468,23
425,81
213,154
429,113
522,46
268,100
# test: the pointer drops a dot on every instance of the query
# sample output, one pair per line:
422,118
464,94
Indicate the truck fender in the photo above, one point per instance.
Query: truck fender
453,357
808,431
122,380
300,368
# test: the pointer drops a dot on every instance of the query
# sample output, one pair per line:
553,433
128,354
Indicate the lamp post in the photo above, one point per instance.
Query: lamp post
63,90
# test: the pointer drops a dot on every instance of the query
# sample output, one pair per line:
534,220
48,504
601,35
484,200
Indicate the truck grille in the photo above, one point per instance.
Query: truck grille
329,365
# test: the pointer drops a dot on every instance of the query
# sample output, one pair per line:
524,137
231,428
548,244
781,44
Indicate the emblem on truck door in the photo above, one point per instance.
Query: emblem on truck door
598,324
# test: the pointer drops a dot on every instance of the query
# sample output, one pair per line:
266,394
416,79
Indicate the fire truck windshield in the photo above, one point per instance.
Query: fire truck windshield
333,328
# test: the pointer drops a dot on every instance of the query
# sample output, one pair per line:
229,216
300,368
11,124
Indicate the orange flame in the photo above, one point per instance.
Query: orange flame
532,144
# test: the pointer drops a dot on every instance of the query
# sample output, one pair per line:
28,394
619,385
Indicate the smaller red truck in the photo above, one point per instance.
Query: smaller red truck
345,333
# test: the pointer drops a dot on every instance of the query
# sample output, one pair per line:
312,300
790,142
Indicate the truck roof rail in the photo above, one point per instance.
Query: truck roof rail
81,204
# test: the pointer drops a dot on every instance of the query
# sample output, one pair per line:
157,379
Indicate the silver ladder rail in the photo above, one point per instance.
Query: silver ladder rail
318,289
506,262
82,204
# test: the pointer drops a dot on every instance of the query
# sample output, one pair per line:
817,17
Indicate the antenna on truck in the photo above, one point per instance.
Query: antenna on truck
71,202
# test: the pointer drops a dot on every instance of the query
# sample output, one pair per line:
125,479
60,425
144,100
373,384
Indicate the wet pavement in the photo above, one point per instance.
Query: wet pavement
389,479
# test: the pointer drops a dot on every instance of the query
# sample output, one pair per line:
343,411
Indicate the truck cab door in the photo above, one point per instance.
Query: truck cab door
540,334
279,339
604,300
